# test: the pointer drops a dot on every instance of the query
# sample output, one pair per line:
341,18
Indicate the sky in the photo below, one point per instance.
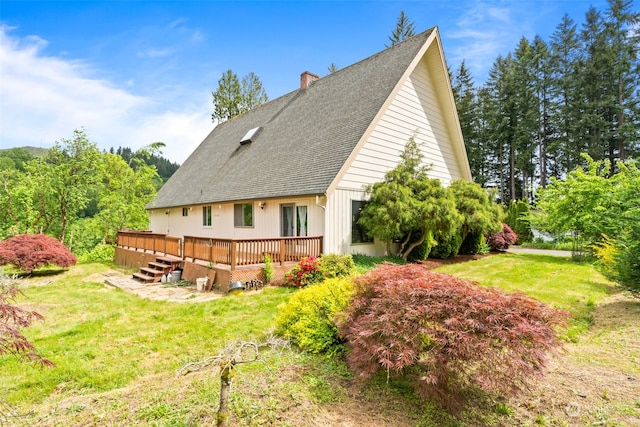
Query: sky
136,72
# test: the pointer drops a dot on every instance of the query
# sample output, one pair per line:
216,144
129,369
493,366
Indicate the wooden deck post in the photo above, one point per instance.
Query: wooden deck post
282,251
233,255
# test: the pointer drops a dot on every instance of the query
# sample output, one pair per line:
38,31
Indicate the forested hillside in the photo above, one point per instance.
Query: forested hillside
16,157
77,193
548,101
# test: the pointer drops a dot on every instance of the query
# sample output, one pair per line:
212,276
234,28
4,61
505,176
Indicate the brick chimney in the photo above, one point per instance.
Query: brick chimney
307,78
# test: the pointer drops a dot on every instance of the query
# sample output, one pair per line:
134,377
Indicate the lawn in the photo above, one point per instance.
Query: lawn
117,356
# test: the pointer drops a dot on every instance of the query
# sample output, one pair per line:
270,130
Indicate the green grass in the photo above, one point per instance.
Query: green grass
570,286
104,339
561,246
365,263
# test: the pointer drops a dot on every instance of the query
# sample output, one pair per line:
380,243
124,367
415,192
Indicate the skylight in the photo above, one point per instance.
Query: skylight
250,136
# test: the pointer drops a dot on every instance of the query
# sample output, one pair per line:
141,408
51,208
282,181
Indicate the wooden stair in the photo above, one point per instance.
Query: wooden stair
153,273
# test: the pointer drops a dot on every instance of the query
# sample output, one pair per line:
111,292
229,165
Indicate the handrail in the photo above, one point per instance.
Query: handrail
148,241
233,252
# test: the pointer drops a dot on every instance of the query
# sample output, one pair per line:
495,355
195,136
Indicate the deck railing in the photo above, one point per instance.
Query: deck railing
150,242
233,252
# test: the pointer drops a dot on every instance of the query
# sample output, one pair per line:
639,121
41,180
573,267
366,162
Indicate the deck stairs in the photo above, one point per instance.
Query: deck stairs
163,265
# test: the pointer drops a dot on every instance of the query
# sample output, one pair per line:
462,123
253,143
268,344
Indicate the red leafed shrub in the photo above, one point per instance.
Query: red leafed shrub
12,319
30,251
501,240
446,334
306,272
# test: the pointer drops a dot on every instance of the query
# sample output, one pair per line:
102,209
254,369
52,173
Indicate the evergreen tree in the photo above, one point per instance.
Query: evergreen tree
525,120
565,49
596,88
542,88
623,48
404,29
466,98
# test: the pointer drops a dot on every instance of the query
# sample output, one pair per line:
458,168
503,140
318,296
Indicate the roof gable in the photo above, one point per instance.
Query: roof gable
306,139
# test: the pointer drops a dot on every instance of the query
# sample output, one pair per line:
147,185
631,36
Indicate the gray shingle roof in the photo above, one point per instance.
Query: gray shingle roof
306,137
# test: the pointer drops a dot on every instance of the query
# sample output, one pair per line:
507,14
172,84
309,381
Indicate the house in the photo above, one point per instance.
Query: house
298,165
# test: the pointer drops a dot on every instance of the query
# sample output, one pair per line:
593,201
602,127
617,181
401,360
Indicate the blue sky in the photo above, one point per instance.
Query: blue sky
135,72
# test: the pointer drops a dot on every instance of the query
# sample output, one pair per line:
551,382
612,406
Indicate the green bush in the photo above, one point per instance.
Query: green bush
308,318
268,268
518,218
100,253
421,252
619,259
447,246
475,243
334,265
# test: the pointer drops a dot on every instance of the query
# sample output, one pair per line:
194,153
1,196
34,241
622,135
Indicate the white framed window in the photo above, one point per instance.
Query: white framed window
207,218
293,220
185,211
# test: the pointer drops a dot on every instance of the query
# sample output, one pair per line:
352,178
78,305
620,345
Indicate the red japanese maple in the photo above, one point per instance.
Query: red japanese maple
30,251
445,333
501,240
12,319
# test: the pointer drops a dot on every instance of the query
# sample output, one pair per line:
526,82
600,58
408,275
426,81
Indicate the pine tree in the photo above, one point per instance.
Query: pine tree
542,88
465,94
404,29
623,48
565,48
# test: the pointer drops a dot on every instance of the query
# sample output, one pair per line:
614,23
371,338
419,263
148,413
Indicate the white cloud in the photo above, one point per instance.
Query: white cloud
44,98
485,31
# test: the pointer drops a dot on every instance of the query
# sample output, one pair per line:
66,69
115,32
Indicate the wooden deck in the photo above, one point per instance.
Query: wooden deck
232,252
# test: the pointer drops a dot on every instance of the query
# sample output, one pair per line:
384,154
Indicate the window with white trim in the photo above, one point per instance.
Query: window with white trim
207,218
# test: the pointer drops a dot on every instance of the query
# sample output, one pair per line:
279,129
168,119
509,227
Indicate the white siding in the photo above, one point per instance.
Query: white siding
338,232
416,108
266,222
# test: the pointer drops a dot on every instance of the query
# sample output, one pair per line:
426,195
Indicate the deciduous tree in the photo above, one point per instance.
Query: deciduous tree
232,98
12,319
30,251
445,334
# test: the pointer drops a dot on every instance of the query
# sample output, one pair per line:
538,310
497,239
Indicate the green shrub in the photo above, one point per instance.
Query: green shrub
334,265
100,253
268,268
619,259
518,218
308,318
421,252
475,243
447,246
306,272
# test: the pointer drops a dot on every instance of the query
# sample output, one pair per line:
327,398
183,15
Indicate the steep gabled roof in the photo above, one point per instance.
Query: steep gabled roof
306,136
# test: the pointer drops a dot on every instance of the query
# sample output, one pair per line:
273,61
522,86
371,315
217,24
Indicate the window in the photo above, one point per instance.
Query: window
206,216
293,220
185,211
243,215
358,233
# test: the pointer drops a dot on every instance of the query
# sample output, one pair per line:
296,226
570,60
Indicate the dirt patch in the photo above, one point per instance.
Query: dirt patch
597,380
